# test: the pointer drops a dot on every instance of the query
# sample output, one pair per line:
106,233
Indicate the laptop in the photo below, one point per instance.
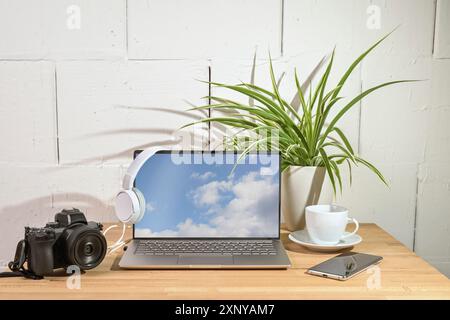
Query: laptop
208,209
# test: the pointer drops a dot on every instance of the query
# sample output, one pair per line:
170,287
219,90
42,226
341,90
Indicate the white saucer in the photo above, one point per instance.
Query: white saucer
302,237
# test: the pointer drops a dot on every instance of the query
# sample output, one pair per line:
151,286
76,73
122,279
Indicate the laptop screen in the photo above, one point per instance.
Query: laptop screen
207,195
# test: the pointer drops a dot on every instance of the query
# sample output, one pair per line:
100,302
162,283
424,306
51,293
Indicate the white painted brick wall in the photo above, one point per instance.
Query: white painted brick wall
27,112
304,20
433,206
108,109
433,209
442,39
170,29
43,29
318,25
71,99
393,207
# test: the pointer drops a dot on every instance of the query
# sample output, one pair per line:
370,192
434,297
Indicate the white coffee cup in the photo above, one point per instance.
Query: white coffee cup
326,224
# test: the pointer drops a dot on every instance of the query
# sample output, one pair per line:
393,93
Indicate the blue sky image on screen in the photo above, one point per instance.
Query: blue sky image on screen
208,200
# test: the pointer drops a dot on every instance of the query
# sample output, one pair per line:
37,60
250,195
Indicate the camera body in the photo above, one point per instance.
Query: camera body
70,240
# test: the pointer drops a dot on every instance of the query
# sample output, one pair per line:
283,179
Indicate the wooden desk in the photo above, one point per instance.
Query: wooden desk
403,276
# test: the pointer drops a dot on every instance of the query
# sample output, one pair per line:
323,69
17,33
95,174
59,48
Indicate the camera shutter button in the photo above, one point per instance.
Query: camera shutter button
44,235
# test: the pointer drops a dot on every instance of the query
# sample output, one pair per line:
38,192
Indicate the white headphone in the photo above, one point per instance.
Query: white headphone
130,202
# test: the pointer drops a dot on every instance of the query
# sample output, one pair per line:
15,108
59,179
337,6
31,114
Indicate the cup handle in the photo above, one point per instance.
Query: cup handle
354,231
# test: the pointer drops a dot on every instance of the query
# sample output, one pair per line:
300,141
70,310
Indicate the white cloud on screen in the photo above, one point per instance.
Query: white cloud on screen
149,206
187,229
210,193
205,176
246,207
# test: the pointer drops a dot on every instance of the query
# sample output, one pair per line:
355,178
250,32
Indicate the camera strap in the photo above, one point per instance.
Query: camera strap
11,274
21,273
17,266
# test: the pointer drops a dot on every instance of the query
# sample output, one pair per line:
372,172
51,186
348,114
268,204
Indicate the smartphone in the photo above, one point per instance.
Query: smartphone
345,266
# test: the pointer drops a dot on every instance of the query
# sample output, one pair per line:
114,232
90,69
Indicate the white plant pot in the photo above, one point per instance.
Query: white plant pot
302,187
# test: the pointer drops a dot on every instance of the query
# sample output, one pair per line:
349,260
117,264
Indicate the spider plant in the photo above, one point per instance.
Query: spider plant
307,133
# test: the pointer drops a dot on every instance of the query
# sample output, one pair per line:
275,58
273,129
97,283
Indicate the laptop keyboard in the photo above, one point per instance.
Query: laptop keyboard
205,247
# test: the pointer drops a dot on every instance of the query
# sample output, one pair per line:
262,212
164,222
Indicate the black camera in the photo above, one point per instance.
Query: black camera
70,240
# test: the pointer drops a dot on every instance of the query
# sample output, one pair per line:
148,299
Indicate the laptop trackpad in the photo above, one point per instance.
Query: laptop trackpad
205,260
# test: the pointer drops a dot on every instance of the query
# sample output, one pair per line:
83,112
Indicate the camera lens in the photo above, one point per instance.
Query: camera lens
89,250
86,247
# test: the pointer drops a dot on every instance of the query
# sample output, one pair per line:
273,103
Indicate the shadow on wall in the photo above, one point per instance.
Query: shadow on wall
37,212
174,136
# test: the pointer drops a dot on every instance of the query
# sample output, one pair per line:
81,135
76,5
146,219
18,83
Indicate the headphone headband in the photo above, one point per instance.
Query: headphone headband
136,165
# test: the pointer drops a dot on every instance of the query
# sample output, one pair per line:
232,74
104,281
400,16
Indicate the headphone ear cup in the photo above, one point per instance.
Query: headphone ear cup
141,210
127,206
